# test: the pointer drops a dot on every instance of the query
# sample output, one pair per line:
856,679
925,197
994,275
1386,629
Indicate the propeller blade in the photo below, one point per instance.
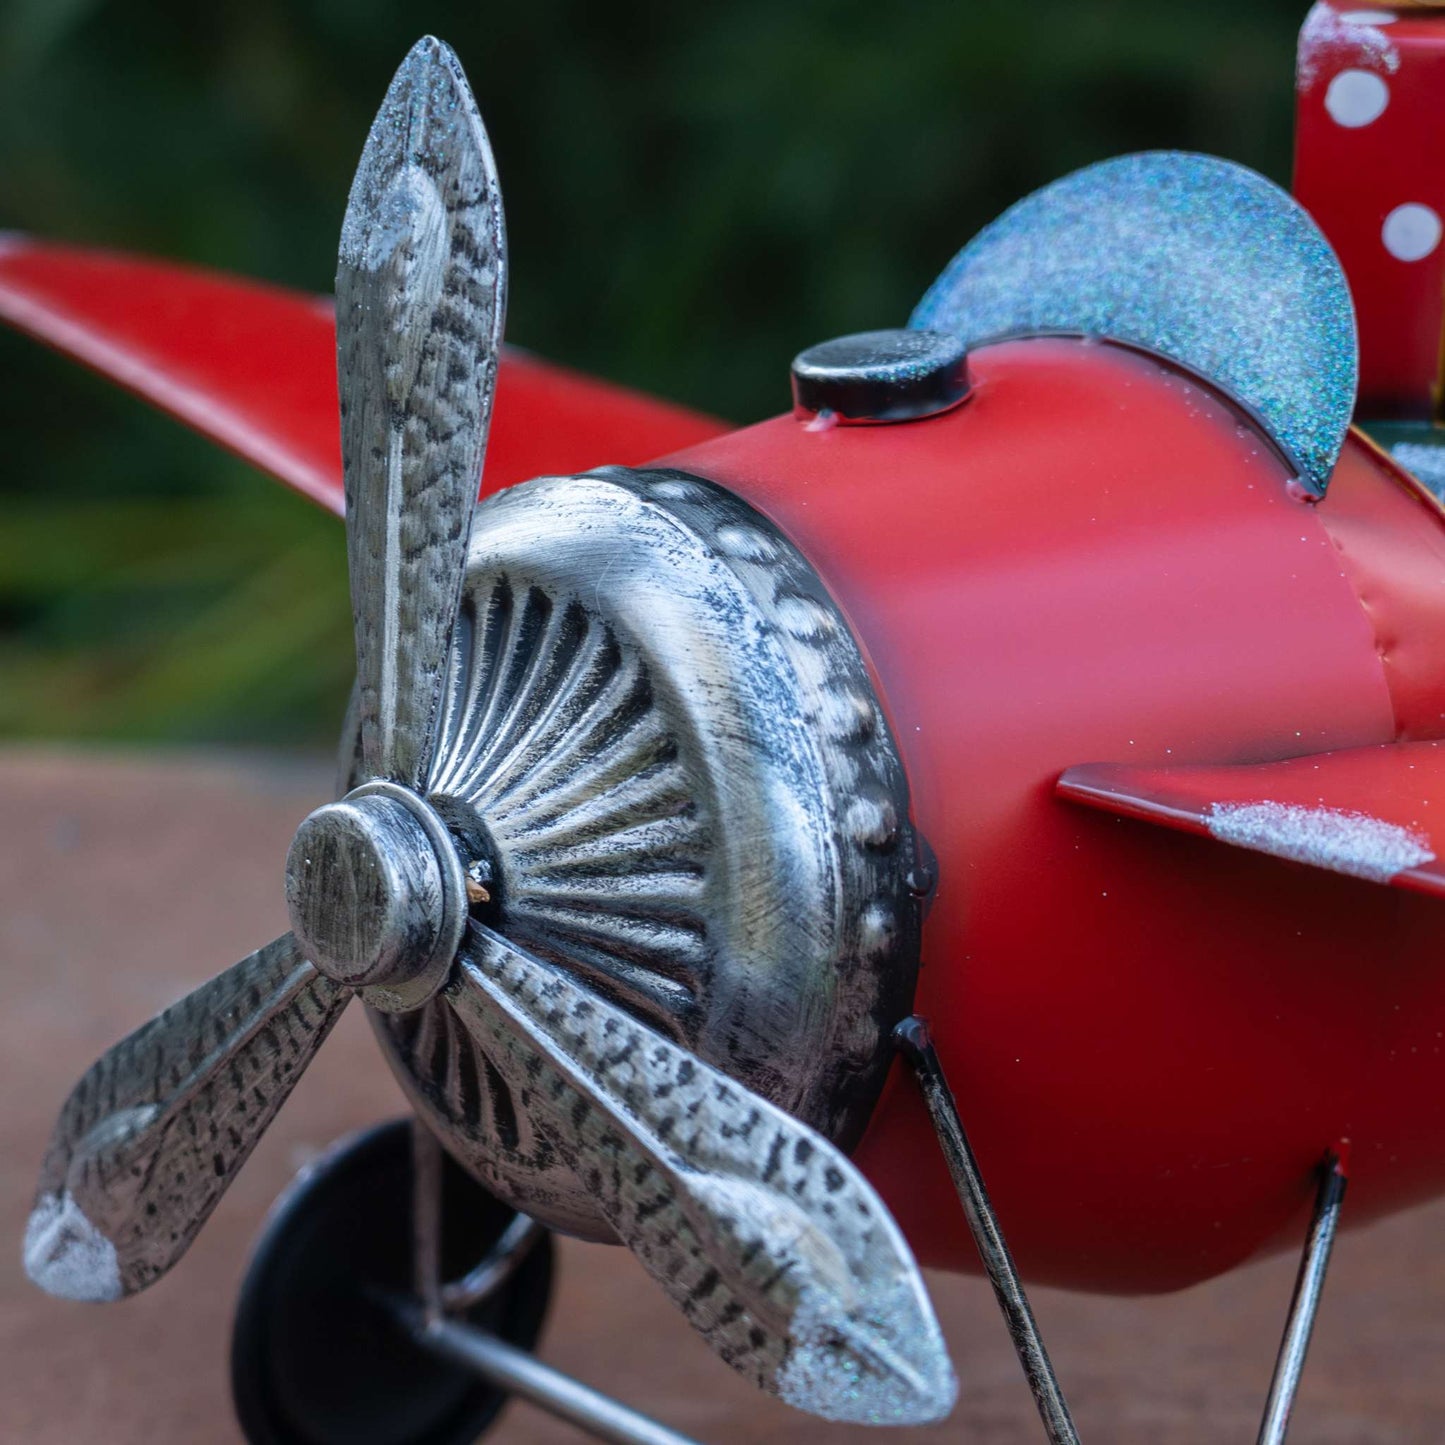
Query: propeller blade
776,1249
420,297
160,1124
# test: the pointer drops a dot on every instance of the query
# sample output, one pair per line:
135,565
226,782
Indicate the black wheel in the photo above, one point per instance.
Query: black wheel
316,1357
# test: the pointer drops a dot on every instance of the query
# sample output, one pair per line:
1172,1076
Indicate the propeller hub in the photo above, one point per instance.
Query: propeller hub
377,895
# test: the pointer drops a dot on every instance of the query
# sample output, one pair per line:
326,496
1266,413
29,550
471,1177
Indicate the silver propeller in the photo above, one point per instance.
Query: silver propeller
158,1126
774,1247
156,1130
420,304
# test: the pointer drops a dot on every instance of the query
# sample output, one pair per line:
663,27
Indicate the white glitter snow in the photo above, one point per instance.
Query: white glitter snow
67,1256
1343,842
1329,40
906,1381
1426,462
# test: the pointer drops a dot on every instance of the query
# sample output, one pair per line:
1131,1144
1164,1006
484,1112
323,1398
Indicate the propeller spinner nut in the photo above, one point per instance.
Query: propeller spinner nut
377,895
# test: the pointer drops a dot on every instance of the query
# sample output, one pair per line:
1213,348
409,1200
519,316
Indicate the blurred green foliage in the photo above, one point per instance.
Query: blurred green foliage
693,194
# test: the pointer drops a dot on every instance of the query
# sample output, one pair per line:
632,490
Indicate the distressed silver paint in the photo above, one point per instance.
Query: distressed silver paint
157,1128
1344,842
647,737
774,1247
1196,259
660,730
377,895
420,304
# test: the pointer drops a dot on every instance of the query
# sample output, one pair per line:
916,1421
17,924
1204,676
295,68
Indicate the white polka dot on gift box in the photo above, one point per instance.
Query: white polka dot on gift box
1412,231
1357,98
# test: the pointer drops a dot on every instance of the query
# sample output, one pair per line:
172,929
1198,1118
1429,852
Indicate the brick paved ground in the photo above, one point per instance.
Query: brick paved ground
124,879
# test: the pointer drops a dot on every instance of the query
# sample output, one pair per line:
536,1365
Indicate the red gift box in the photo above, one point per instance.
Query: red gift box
1370,168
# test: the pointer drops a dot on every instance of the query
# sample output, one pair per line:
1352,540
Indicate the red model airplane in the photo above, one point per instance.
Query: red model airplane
1155,631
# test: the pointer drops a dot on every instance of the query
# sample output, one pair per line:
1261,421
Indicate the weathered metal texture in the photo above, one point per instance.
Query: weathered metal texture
774,1248
377,894
420,303
155,1131
656,757
365,888
159,1126
152,1135
660,734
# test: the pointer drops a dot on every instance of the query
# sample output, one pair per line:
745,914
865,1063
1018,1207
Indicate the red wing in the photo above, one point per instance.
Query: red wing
1369,812
254,367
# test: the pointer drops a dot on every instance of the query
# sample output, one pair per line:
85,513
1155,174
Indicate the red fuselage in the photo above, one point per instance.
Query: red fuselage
1153,1038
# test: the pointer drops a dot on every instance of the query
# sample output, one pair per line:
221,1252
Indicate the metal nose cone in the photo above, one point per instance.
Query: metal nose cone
376,894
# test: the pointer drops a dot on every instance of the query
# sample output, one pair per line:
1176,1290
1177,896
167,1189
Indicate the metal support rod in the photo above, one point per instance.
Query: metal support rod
505,1258
426,1209
913,1038
1306,1302
515,1371
520,1373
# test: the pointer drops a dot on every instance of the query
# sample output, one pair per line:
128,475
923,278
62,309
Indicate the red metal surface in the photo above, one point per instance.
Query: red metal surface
1371,83
254,367
1394,558
1402,784
1153,1037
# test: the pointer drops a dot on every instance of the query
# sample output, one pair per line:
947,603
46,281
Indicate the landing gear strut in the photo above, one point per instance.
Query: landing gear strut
319,1355
392,1301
